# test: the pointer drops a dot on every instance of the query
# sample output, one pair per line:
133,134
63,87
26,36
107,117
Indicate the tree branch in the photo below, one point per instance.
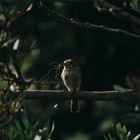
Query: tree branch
117,12
72,21
83,95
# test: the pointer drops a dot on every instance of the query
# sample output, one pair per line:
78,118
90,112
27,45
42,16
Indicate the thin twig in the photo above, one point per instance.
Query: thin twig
72,21
112,9
118,12
45,76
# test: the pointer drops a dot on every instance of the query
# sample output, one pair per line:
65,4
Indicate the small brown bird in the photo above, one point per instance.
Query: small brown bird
72,79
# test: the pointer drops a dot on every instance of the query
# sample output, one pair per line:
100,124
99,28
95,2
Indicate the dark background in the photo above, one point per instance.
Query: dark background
105,60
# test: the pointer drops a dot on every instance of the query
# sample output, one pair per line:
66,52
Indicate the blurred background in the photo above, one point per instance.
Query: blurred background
105,60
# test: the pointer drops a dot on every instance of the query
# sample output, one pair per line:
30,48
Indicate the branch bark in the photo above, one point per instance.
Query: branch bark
112,9
118,13
89,25
83,95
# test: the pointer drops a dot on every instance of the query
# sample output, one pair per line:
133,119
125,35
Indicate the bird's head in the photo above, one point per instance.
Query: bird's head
69,63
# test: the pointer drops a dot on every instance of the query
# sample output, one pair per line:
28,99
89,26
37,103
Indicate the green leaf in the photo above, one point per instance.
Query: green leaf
108,137
18,126
121,130
135,4
13,132
20,131
26,121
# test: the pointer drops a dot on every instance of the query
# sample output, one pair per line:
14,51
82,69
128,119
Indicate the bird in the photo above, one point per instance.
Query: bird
71,77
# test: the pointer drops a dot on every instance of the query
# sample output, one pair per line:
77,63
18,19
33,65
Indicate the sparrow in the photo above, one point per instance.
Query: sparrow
71,78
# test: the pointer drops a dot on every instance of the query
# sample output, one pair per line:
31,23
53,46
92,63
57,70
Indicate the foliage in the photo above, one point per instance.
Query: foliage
10,8
122,134
135,4
24,129
22,22
11,78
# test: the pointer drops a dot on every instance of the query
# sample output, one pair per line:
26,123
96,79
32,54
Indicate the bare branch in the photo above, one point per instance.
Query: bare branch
72,21
84,95
118,13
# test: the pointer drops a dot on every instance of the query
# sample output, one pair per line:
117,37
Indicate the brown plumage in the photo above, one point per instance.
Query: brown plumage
72,79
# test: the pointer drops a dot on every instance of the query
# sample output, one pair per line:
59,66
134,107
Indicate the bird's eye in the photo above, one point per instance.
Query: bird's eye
70,62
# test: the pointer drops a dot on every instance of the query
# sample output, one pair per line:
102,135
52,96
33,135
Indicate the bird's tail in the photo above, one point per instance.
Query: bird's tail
75,106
